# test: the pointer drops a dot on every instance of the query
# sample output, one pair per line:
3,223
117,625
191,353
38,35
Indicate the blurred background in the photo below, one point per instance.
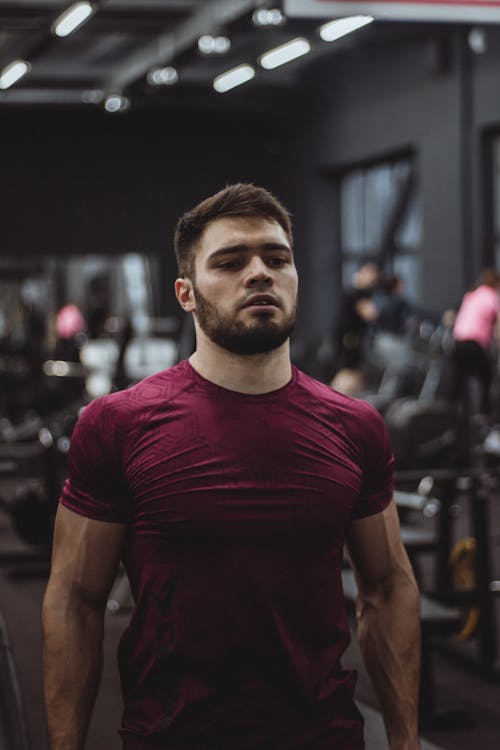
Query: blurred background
378,125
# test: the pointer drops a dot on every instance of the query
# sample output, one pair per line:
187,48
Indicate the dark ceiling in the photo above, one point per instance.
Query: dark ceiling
113,52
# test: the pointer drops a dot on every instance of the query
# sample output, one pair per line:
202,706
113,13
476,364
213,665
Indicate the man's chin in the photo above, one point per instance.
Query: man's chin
248,332
251,340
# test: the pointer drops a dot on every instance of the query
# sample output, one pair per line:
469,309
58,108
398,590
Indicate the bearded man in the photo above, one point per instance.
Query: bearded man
228,485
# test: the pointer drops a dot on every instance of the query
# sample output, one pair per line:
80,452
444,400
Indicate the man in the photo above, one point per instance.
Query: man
227,485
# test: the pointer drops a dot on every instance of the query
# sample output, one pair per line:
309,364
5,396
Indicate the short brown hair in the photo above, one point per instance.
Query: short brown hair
489,277
241,199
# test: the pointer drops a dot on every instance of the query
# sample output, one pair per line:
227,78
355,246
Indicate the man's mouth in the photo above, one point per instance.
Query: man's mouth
261,300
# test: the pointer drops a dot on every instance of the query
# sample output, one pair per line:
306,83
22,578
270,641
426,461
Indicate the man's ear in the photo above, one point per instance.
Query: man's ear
184,294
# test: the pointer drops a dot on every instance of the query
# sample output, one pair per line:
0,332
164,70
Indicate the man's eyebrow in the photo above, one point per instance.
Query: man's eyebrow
242,248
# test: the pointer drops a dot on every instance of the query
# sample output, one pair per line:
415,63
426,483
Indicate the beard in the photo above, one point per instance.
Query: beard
261,336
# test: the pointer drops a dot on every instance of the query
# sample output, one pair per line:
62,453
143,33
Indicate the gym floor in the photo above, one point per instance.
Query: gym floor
22,583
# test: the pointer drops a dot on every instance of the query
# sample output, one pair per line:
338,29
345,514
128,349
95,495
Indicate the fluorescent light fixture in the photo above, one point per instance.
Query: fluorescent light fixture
232,78
72,18
284,53
268,17
163,76
222,44
116,103
333,30
13,72
214,45
92,96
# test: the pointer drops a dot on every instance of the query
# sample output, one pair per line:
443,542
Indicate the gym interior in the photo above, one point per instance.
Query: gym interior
384,144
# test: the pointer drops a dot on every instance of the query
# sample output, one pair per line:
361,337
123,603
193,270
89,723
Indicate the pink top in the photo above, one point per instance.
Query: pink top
69,322
477,316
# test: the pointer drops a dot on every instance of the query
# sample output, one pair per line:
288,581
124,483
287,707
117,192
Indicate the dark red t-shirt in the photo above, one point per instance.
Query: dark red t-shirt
236,506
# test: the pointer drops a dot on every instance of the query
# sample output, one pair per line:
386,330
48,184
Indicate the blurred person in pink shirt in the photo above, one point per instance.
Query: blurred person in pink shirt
474,331
70,325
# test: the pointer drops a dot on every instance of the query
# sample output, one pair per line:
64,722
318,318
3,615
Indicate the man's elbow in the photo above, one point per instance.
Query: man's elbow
69,602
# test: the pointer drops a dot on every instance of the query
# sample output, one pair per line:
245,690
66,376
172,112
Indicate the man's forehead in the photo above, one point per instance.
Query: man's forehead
230,230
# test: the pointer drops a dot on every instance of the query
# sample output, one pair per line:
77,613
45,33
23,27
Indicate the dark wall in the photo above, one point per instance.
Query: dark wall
77,183
485,105
365,107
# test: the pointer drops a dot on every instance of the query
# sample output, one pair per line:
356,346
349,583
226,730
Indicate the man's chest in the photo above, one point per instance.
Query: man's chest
230,470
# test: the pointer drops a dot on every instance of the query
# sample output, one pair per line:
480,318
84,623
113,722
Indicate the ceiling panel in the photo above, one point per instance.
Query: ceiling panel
124,39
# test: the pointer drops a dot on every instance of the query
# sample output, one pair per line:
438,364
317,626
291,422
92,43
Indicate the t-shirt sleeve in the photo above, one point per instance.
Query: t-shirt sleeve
95,487
378,467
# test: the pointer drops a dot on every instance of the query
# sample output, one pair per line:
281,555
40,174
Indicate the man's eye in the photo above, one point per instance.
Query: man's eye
277,261
228,265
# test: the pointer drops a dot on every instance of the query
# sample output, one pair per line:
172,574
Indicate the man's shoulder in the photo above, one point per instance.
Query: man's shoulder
352,421
156,390
327,397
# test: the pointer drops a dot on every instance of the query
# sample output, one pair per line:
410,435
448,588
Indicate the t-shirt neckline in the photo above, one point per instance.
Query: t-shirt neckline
214,387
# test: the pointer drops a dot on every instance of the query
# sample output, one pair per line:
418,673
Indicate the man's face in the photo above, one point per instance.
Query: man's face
245,287
367,276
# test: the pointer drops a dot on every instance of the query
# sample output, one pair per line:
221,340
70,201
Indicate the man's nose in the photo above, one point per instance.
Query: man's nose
258,272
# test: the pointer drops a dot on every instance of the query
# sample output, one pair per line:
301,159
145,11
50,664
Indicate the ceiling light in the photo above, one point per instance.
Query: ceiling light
116,103
222,45
13,72
271,17
214,45
92,96
232,78
478,41
333,30
163,76
284,53
72,18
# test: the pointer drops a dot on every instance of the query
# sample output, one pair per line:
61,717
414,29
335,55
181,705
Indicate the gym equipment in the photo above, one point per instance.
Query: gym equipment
406,366
35,457
427,431
426,434
417,540
32,519
476,488
13,731
463,579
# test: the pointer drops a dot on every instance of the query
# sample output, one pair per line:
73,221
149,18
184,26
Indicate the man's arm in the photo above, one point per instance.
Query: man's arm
84,563
388,620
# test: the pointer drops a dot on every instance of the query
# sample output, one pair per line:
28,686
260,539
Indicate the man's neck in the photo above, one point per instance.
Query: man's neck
258,373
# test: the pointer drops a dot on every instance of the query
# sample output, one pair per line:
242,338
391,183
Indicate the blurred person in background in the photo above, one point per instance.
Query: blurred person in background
70,328
393,309
98,305
357,315
474,331
389,345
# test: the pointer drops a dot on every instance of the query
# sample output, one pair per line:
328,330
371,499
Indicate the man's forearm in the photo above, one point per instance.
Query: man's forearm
72,668
389,637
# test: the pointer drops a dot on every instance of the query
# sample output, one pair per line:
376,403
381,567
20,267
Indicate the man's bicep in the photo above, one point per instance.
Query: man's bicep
375,546
85,555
